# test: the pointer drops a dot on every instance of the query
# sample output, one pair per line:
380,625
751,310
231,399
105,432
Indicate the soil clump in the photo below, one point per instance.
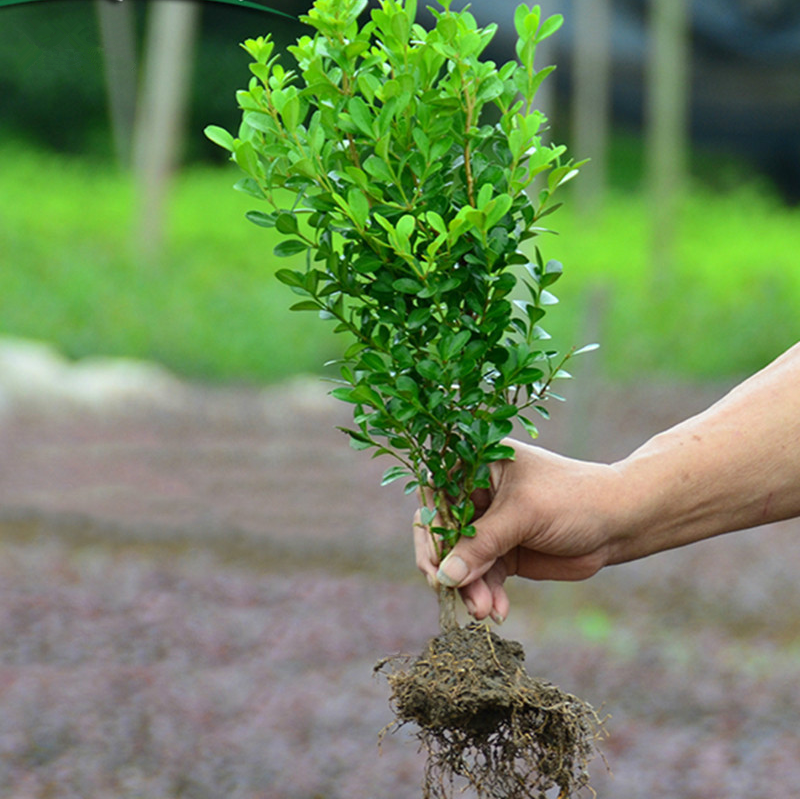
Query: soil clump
485,722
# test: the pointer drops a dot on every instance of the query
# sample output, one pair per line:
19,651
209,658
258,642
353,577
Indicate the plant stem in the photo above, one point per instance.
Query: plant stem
447,609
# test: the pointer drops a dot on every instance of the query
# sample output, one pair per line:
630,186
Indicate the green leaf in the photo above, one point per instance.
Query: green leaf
366,263
394,473
469,531
260,121
401,27
429,369
320,202
497,209
291,278
285,223
476,218
290,247
427,515
498,452
418,317
359,206
453,344
549,27
245,156
250,187
305,167
533,432
507,411
367,395
526,21
408,386
260,218
305,305
373,361
569,176
422,141
552,272
219,136
405,226
377,168
407,285
436,222
500,429
345,395
528,375
362,116
355,49
291,113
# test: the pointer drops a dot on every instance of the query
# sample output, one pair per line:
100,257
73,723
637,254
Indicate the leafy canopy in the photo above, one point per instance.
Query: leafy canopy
397,161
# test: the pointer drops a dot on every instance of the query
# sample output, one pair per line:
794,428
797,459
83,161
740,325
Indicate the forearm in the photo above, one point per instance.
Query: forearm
737,465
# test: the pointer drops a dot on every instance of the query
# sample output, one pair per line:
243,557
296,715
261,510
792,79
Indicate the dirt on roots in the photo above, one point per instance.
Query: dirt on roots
483,721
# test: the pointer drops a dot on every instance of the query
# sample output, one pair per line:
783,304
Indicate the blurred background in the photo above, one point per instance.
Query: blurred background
196,574
122,237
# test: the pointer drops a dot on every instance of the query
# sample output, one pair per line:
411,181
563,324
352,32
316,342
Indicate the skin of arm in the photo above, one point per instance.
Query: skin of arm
732,467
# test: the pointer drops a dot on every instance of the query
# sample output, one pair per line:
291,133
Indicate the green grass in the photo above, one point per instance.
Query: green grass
208,309
729,303
211,308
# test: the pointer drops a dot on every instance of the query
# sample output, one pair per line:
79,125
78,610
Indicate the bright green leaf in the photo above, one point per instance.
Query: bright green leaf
362,116
219,136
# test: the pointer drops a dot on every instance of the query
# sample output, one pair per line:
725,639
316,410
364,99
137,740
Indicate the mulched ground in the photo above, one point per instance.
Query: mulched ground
192,598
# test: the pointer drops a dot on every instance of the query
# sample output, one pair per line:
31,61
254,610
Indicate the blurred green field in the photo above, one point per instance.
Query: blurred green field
211,309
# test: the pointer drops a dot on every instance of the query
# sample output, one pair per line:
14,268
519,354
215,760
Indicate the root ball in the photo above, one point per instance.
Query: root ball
482,720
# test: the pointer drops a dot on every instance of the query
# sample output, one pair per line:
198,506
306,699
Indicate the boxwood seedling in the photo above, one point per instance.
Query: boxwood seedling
409,180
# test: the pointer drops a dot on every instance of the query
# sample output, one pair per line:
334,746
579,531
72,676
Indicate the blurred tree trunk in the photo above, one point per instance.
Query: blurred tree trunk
667,127
171,31
118,43
591,103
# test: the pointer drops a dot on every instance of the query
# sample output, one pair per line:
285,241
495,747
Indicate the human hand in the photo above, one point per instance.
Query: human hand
545,517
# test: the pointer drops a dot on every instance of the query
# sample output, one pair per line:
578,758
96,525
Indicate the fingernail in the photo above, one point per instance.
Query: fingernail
497,618
452,571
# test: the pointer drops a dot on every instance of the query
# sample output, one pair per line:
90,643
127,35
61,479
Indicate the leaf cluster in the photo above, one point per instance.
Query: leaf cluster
401,165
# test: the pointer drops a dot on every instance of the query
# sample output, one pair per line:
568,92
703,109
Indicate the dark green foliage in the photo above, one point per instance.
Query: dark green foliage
400,164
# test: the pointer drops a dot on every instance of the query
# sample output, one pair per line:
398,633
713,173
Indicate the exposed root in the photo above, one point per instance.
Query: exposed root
483,721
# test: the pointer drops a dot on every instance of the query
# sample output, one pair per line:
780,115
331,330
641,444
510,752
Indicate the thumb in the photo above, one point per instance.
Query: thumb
469,559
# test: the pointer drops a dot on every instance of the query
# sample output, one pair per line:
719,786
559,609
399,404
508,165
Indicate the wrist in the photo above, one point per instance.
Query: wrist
670,496
641,517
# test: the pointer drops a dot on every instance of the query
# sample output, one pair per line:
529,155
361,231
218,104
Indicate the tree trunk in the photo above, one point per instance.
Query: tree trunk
591,105
667,128
118,40
165,95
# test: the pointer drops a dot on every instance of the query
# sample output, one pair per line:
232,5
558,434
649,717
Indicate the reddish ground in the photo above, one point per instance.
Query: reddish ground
191,601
